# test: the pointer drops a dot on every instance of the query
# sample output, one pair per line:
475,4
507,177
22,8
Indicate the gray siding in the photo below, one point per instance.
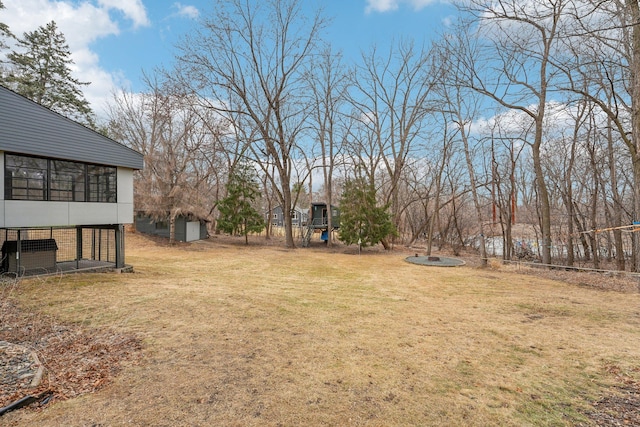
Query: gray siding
29,128
279,221
145,224
181,229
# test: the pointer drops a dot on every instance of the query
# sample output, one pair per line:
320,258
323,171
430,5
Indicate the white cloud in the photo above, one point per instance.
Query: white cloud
132,9
82,23
420,4
512,122
559,119
187,11
448,21
381,5
391,5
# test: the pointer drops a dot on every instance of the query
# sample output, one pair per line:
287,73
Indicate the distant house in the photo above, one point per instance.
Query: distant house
67,191
188,227
276,217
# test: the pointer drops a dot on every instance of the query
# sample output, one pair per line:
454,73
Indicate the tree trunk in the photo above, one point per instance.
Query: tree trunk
636,201
476,201
543,196
582,233
633,7
286,209
172,226
570,239
616,213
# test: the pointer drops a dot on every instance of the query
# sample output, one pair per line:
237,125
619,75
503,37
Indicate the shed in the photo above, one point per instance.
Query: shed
188,227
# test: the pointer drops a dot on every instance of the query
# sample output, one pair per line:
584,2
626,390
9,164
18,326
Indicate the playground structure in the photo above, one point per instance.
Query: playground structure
318,222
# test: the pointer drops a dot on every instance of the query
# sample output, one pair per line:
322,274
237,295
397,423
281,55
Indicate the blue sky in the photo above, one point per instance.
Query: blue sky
113,41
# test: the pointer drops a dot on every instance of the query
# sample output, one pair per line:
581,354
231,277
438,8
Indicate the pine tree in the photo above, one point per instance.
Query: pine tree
4,32
362,221
42,73
237,214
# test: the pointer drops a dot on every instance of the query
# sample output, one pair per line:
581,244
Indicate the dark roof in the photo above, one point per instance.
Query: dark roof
322,204
37,245
29,128
165,216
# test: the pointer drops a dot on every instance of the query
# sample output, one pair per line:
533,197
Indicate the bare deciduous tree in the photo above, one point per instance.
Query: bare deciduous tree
247,62
178,144
607,57
391,99
514,69
328,85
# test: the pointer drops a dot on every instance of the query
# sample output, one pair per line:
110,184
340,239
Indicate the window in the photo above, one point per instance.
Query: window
34,178
102,183
275,216
25,178
67,181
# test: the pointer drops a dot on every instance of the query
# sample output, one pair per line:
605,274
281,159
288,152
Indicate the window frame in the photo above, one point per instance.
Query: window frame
59,185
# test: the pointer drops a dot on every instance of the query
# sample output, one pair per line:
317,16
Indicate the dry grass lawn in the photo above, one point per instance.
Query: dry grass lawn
263,336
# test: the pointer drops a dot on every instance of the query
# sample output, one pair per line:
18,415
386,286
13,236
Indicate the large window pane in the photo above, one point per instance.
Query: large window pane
67,181
25,178
102,183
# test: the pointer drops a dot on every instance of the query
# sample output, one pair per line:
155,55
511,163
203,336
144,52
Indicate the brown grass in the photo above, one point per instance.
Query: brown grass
264,336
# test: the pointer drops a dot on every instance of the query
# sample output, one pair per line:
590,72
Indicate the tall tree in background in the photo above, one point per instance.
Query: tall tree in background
329,85
237,212
362,221
4,33
633,11
179,143
463,107
391,99
513,65
606,71
247,62
41,71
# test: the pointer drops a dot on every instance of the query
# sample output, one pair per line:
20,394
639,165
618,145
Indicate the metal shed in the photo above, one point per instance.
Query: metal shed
188,227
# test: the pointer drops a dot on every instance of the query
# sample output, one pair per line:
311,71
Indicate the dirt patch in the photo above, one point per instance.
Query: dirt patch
622,406
75,360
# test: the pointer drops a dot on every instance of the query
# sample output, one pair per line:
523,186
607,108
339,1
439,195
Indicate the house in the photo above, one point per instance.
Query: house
66,192
276,217
188,227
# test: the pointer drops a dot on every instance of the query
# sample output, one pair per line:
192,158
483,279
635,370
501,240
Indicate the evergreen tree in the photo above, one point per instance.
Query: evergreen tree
362,221
42,73
237,214
4,32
